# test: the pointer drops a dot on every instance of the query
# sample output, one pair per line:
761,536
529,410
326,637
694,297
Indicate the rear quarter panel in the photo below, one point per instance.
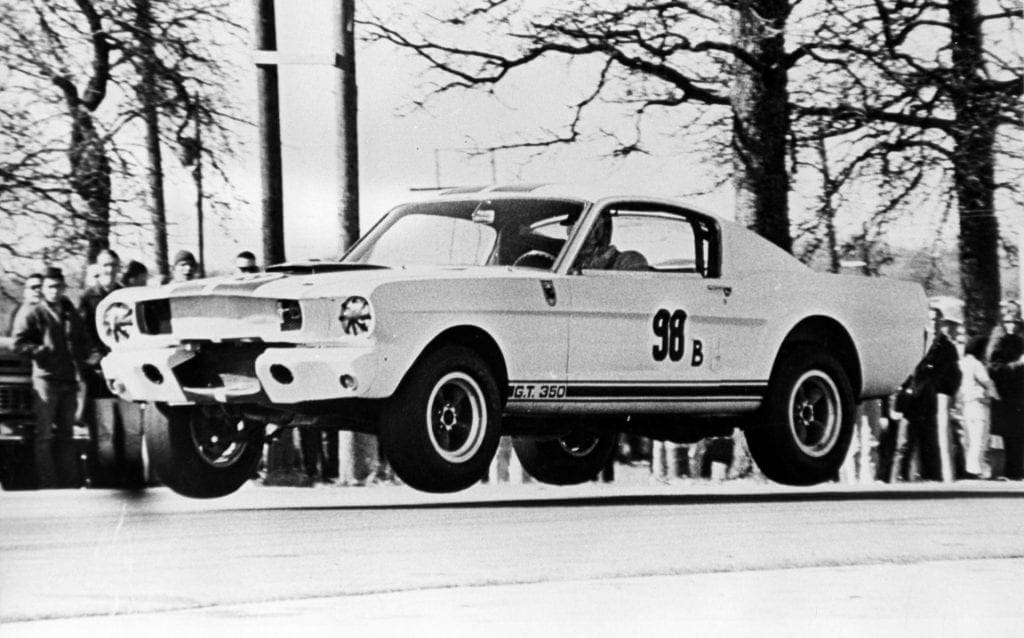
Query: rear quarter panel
884,318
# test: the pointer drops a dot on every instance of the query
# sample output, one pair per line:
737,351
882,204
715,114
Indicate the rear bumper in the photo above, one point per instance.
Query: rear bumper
272,376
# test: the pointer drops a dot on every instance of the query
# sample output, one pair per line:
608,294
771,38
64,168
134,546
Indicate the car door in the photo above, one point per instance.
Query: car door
653,338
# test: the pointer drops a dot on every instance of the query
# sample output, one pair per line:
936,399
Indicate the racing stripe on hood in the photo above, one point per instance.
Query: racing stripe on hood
241,286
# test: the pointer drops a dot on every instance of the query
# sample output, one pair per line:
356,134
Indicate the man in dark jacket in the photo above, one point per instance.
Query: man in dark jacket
108,265
1005,359
937,373
51,334
114,425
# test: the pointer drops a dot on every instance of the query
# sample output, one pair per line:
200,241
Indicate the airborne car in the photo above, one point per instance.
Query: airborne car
560,316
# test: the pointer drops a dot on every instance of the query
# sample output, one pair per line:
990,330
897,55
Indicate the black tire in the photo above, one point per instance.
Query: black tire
807,420
569,460
440,430
201,451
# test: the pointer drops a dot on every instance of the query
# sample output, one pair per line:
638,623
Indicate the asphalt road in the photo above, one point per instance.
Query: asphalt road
743,559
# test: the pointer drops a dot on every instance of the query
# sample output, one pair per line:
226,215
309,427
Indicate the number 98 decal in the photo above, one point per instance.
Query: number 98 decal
670,330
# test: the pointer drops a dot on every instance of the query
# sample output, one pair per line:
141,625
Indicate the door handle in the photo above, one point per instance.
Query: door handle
726,290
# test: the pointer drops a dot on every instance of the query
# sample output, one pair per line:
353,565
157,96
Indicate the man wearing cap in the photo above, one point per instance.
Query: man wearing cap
184,266
51,334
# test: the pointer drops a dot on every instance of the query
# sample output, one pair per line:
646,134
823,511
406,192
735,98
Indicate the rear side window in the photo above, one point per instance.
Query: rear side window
670,240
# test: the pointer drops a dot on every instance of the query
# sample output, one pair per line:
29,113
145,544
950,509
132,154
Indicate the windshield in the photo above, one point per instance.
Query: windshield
512,232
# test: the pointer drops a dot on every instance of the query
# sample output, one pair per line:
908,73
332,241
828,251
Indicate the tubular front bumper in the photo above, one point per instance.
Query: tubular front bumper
278,376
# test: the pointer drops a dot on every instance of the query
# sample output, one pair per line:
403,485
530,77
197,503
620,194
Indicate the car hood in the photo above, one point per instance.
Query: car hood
318,279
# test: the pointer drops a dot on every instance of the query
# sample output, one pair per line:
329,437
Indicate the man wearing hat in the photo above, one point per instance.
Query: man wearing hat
184,266
51,334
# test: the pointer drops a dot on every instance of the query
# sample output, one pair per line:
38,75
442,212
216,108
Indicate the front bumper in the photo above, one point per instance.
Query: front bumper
266,375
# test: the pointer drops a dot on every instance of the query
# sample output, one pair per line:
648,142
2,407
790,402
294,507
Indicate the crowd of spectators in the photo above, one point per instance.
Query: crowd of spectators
958,416
68,387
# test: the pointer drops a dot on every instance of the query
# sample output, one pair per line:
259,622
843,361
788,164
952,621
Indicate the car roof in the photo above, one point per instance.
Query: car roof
582,191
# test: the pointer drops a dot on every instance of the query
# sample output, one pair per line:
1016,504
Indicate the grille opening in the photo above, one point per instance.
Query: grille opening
290,313
154,316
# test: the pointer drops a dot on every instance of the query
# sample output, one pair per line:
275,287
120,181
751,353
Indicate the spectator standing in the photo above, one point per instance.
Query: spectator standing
51,334
977,391
319,453
935,380
184,267
245,263
1005,359
669,461
862,459
115,425
107,267
31,294
135,274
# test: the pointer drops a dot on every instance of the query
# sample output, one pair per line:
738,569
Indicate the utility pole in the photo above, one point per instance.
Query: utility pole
358,453
348,139
282,457
270,134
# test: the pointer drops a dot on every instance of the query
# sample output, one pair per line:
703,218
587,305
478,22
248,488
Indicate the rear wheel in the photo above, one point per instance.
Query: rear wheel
569,460
807,420
203,451
440,430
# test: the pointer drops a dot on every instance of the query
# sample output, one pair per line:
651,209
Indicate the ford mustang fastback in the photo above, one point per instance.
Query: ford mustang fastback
562,317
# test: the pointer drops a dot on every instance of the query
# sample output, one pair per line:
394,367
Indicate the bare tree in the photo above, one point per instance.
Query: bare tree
937,86
38,50
650,56
75,74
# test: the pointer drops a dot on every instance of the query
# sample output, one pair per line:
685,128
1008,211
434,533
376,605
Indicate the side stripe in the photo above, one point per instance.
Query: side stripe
653,391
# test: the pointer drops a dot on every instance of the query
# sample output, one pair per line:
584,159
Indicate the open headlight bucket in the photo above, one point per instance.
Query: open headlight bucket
356,316
118,322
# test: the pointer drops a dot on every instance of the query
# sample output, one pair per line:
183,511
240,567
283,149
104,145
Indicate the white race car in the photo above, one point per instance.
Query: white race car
560,316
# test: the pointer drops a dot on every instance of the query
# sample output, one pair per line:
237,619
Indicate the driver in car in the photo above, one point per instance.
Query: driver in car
599,253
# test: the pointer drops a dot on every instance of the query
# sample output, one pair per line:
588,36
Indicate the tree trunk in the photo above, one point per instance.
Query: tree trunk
973,171
90,178
759,99
148,97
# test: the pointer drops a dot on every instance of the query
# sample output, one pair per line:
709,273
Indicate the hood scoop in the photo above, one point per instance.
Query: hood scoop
316,267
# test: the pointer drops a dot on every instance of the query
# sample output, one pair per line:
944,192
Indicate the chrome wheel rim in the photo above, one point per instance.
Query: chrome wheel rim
218,438
815,413
456,417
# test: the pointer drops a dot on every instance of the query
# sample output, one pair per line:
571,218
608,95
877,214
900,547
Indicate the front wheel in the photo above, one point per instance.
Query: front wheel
807,420
569,460
203,451
440,430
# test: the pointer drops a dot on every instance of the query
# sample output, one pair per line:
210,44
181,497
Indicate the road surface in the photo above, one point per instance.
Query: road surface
734,558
